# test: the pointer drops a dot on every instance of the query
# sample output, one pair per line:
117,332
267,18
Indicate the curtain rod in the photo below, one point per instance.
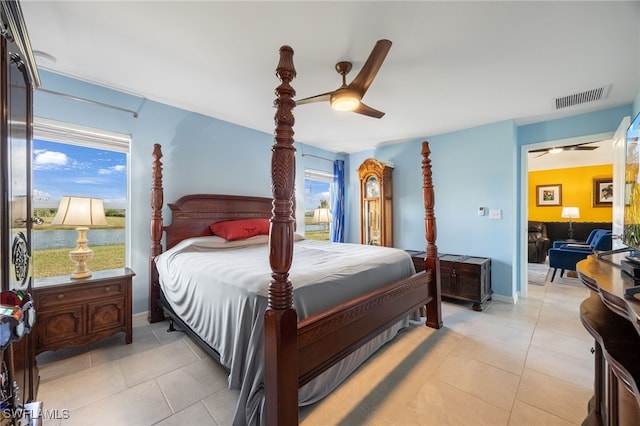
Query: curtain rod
315,156
89,101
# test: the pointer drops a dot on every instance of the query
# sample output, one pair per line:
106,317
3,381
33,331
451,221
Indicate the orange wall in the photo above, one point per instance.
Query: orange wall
577,191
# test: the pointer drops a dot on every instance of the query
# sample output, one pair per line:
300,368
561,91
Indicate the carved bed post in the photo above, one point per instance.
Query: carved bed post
281,323
432,263
157,198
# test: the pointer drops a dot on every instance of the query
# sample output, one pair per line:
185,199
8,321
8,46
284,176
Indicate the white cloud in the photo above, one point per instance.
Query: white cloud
113,169
50,158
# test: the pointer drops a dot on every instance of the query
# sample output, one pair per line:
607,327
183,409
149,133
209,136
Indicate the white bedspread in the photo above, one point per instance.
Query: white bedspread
220,291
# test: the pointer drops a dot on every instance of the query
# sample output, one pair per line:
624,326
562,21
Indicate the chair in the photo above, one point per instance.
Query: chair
566,256
588,241
539,243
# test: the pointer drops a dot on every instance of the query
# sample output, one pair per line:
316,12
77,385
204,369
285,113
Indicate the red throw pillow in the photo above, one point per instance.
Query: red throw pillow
232,230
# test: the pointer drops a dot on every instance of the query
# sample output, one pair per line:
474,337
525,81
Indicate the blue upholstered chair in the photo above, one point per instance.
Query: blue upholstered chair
565,256
592,235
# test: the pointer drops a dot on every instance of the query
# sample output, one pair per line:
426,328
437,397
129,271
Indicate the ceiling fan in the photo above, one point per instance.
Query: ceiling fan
557,149
348,97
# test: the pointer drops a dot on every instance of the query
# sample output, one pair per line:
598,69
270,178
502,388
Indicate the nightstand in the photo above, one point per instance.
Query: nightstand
418,259
73,313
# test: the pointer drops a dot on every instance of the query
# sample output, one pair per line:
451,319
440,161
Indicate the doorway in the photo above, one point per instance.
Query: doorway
536,157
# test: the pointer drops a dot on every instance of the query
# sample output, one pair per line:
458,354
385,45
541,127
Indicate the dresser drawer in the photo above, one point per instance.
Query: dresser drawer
63,295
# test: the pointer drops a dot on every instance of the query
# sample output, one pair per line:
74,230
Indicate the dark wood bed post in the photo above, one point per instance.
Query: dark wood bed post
157,198
434,313
281,322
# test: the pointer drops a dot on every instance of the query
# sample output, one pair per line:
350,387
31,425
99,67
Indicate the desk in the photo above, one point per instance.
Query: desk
614,322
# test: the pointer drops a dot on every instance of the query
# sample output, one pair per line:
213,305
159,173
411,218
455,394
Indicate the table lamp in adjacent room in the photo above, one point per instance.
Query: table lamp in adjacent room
570,213
81,212
322,216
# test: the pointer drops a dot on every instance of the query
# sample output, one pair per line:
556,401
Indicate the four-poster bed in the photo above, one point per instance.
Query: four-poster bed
300,333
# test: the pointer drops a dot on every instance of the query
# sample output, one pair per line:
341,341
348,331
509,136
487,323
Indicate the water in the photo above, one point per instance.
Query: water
66,238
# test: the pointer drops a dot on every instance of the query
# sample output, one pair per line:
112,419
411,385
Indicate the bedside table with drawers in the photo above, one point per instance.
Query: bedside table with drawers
76,312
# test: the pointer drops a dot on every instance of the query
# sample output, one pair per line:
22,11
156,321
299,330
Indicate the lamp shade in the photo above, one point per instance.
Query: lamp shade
80,211
570,212
321,215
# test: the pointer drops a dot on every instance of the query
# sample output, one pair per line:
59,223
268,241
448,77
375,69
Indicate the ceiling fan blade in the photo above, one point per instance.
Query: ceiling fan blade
317,98
577,147
368,111
581,148
370,68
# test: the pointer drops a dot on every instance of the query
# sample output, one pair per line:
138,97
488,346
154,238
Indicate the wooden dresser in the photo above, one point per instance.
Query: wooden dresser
613,320
74,313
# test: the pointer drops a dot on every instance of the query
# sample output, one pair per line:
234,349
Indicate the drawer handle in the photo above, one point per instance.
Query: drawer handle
107,288
61,296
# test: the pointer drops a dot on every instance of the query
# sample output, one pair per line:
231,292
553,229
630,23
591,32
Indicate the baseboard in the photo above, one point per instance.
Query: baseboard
505,299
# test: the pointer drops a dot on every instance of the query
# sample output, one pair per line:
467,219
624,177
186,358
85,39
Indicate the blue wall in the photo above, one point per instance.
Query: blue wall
471,168
201,155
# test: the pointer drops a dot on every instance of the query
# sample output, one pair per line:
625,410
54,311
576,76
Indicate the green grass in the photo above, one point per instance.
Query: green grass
53,262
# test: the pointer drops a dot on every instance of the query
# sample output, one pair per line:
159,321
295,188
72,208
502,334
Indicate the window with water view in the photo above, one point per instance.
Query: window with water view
317,209
61,169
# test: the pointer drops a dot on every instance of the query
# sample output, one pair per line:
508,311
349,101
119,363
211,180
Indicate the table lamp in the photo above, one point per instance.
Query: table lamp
322,216
81,212
570,213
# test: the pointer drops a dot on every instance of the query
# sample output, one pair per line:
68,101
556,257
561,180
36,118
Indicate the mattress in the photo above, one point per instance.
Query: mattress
219,289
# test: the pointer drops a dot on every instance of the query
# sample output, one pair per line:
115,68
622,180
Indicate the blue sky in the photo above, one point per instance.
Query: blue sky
61,169
314,191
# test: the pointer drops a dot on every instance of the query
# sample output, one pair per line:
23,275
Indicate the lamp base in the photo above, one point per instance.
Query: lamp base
81,255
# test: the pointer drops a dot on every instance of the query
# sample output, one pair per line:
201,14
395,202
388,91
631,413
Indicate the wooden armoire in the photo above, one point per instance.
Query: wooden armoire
18,79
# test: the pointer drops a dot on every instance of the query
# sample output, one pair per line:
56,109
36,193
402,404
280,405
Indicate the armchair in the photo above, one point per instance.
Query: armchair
566,256
538,243
589,240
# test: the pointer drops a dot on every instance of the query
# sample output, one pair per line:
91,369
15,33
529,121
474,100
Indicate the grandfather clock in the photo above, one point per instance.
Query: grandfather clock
376,203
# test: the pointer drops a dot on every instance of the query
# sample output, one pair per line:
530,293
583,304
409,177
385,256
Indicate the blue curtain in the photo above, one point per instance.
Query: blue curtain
337,202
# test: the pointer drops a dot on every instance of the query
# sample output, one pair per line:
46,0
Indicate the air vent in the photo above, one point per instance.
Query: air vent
582,97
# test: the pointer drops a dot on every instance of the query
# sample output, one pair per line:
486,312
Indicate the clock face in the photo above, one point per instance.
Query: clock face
372,187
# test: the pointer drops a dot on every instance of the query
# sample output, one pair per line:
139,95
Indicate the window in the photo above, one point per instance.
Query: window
74,160
317,208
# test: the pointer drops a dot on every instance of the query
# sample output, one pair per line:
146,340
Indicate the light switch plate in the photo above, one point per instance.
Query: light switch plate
495,214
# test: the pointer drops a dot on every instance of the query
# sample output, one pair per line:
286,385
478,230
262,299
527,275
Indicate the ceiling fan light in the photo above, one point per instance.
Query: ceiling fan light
345,100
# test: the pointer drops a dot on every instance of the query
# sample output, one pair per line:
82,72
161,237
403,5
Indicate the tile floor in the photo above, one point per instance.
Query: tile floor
524,364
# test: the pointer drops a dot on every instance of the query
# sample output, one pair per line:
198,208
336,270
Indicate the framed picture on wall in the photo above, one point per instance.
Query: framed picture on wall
603,192
548,195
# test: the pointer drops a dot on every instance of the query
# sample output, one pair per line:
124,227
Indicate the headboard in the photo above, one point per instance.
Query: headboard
192,214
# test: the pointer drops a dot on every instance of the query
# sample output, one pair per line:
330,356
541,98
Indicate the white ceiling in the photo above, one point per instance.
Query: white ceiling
453,65
602,154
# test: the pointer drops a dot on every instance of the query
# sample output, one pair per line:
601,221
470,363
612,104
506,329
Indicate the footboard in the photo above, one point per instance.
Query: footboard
328,337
